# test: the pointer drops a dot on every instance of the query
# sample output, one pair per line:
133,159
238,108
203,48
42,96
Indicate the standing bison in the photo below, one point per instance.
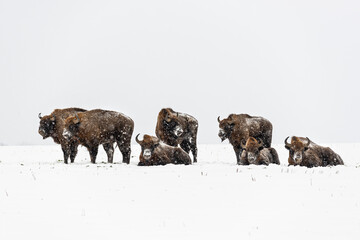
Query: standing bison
255,153
96,127
154,152
53,126
239,127
174,128
304,152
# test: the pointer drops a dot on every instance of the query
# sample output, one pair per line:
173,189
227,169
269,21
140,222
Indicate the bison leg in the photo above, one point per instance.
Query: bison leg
193,147
125,151
190,144
185,145
275,156
194,151
267,139
109,149
66,152
93,153
238,152
73,151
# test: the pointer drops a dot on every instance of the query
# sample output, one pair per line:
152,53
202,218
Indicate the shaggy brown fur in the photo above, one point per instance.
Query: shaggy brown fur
304,152
154,152
53,126
174,128
96,127
255,153
239,127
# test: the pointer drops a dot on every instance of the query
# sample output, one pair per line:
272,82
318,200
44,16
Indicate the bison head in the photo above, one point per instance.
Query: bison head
226,127
167,114
297,148
47,125
170,121
148,144
252,149
71,126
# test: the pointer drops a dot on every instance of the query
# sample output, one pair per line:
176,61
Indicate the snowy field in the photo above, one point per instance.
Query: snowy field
42,198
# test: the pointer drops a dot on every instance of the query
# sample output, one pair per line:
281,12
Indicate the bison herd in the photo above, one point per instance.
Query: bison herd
176,135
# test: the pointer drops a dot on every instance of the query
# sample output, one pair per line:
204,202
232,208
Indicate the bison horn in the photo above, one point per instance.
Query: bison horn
218,119
286,143
137,139
308,143
40,115
243,144
77,117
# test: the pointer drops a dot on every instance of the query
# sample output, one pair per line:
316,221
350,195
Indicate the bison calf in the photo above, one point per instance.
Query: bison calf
304,152
174,128
96,127
53,126
154,152
255,153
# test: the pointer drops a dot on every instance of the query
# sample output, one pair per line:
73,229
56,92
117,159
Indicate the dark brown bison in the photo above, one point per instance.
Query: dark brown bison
304,152
239,127
255,153
96,127
174,128
154,152
53,126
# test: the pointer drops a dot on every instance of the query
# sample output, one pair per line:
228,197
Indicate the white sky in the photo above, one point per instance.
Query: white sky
294,62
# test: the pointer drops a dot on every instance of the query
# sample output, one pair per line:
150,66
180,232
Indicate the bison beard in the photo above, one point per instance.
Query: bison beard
96,127
53,126
239,127
174,129
153,152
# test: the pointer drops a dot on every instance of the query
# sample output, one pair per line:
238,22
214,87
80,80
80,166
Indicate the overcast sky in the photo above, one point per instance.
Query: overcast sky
296,63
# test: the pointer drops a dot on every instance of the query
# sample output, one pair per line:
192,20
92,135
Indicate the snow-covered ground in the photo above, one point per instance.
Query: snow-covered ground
42,198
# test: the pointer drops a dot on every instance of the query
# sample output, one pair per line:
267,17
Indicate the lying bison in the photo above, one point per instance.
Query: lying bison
154,152
53,126
304,152
239,127
96,127
174,128
255,153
